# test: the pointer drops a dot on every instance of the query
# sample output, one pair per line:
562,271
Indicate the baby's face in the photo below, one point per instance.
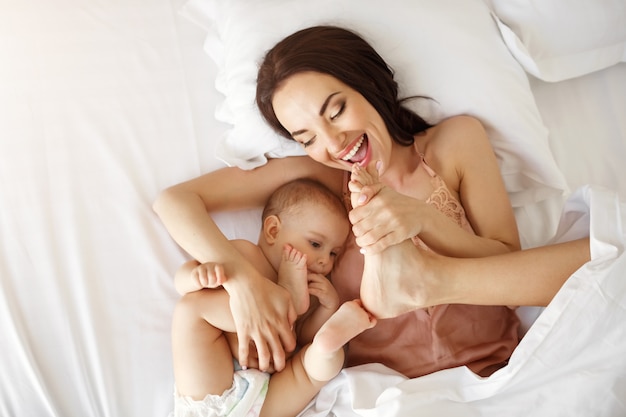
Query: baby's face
318,232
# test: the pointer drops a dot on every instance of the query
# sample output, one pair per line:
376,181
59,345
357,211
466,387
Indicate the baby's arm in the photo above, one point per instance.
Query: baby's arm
194,276
328,303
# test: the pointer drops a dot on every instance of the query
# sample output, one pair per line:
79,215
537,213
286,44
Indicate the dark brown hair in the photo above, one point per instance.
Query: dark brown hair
350,59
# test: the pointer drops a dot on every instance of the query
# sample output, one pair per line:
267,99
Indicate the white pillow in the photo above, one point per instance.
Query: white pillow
555,40
449,50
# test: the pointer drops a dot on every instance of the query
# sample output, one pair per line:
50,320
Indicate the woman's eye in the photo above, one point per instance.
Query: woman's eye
308,143
342,107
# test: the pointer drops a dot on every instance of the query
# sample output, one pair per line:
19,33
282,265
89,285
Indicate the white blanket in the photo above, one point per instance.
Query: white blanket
572,361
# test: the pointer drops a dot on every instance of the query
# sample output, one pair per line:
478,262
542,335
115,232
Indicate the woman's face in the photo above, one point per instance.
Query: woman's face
334,123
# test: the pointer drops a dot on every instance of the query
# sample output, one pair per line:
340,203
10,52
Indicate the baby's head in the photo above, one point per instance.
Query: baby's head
308,216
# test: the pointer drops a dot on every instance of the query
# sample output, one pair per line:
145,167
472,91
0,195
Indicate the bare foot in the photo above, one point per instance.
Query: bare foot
392,281
323,359
347,322
361,177
292,276
387,290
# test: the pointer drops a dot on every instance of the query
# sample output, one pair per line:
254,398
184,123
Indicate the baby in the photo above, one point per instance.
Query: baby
304,229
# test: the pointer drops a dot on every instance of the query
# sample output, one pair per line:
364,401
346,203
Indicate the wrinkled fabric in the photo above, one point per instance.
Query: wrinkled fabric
570,363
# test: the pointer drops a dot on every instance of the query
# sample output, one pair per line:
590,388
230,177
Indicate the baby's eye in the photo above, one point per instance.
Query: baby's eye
315,244
334,254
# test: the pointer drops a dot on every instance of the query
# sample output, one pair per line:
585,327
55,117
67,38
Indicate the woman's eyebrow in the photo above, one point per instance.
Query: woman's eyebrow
326,102
321,113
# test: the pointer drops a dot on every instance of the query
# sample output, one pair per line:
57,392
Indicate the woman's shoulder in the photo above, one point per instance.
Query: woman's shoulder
454,134
448,145
458,127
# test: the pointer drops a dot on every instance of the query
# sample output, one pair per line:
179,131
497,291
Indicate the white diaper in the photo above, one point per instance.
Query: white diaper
244,399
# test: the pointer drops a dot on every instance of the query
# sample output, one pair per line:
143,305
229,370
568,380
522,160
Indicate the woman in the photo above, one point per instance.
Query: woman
326,88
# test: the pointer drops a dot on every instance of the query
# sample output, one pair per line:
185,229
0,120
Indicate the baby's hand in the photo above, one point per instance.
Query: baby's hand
321,288
209,275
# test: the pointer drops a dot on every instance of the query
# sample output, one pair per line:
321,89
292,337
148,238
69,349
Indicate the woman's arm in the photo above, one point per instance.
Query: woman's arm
259,308
529,277
184,208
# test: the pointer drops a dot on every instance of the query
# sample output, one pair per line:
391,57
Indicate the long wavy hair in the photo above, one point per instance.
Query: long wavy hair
349,58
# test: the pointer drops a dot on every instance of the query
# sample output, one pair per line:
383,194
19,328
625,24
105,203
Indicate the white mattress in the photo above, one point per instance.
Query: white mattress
104,104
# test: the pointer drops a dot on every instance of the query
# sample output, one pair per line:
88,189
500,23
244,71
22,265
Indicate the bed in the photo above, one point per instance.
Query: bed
104,104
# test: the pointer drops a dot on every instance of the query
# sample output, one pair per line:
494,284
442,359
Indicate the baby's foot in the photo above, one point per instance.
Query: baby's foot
324,357
292,275
348,321
363,177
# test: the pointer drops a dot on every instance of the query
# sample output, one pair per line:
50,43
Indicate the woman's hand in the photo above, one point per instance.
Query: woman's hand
385,218
264,315
253,360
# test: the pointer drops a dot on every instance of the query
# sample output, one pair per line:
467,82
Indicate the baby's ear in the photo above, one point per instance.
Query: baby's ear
271,227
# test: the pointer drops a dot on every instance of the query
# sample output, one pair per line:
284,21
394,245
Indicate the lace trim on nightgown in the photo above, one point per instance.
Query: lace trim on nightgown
441,198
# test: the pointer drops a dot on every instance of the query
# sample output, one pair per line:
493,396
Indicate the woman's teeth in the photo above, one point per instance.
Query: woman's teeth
354,150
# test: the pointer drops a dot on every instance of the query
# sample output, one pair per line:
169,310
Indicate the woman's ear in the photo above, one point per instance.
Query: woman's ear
271,227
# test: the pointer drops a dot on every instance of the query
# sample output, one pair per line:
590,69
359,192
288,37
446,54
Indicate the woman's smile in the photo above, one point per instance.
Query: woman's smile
358,152
334,123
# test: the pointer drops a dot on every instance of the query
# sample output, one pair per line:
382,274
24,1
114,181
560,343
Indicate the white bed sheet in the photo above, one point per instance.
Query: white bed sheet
102,105
99,107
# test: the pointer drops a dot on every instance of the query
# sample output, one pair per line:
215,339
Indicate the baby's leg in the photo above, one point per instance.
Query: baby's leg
201,356
312,367
387,290
292,275
324,358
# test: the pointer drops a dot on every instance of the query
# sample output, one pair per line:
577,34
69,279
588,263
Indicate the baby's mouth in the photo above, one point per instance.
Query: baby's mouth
358,152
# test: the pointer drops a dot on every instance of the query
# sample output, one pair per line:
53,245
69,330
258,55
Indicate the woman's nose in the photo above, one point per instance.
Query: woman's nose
333,136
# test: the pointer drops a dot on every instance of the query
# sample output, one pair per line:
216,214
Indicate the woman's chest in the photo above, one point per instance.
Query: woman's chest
421,184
